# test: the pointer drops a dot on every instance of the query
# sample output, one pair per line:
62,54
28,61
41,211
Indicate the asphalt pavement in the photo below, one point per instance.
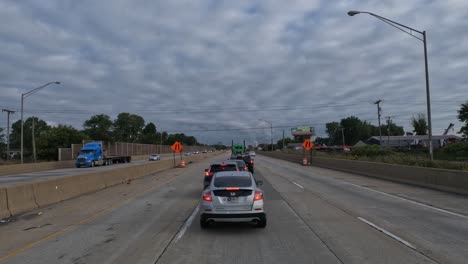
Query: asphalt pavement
314,216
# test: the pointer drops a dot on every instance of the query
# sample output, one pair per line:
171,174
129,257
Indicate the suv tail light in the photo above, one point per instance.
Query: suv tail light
207,174
246,168
251,161
258,196
207,196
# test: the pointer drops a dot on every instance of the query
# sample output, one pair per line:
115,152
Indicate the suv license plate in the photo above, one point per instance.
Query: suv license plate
231,199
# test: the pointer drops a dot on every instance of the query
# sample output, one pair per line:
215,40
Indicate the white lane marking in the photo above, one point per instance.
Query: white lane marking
298,185
407,200
399,239
187,224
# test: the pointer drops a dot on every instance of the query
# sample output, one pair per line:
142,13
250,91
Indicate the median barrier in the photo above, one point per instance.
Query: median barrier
33,167
70,187
439,179
45,166
46,192
4,212
20,198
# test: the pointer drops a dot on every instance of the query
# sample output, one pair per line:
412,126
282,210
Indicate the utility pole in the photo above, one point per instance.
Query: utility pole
283,140
389,120
34,140
342,135
8,130
271,135
379,113
160,144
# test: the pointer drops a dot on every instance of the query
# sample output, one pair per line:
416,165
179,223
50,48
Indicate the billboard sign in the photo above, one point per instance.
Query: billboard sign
303,131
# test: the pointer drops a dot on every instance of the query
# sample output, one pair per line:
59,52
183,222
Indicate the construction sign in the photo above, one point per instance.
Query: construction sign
177,147
308,145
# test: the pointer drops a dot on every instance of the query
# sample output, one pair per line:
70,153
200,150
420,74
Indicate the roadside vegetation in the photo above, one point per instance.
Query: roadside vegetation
453,157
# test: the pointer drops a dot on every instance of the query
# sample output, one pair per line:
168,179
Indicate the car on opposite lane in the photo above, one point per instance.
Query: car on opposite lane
217,167
154,157
233,196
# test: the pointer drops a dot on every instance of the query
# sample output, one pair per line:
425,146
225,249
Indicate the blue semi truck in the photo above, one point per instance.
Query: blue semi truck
93,154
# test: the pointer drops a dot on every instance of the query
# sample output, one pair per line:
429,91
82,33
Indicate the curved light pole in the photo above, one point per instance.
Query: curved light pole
24,95
424,41
271,131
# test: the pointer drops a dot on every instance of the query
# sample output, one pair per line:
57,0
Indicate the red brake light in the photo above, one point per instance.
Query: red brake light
207,174
232,188
245,168
251,161
258,196
207,196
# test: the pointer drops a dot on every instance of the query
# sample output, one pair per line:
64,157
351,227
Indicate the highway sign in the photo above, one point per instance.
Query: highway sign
177,147
308,145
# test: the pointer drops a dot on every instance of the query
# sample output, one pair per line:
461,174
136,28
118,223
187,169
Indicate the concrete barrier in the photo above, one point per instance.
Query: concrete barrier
32,167
47,192
4,212
53,165
439,179
19,198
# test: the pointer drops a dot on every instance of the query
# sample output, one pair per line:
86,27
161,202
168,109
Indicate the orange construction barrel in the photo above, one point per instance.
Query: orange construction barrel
182,163
304,162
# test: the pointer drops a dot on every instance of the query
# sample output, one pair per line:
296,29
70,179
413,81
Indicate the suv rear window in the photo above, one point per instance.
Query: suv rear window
232,181
226,167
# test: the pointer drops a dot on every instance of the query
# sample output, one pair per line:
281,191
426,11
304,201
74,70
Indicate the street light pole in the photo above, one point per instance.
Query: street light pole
428,98
424,41
23,96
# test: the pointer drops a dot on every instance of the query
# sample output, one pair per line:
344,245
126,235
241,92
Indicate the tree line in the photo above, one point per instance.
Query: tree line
354,129
126,127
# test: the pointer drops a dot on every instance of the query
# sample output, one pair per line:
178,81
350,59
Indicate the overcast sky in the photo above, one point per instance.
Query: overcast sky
193,65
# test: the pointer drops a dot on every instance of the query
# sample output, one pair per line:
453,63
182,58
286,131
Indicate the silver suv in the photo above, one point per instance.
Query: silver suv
233,196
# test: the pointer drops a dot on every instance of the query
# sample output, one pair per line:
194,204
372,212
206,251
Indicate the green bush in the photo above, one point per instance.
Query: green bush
460,148
371,151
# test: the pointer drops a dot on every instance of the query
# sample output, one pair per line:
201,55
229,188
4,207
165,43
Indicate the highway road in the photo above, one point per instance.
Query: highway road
314,216
58,173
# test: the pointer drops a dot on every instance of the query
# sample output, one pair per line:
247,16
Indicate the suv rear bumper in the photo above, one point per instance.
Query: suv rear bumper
242,217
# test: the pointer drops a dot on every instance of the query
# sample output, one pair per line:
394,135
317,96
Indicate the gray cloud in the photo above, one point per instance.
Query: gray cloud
208,58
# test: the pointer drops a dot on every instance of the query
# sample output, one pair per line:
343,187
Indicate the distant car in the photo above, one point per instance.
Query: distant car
209,151
233,196
241,165
196,152
217,167
248,160
188,154
154,157
205,151
252,153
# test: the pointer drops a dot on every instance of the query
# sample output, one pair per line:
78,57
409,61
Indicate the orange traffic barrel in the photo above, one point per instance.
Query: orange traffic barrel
304,161
182,163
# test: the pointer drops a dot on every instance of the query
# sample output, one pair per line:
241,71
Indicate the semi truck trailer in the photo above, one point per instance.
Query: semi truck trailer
93,154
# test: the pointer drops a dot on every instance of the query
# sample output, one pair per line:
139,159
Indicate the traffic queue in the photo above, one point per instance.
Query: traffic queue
231,193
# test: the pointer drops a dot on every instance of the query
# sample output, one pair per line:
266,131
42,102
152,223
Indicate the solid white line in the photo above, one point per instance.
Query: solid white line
298,185
187,224
407,200
406,243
